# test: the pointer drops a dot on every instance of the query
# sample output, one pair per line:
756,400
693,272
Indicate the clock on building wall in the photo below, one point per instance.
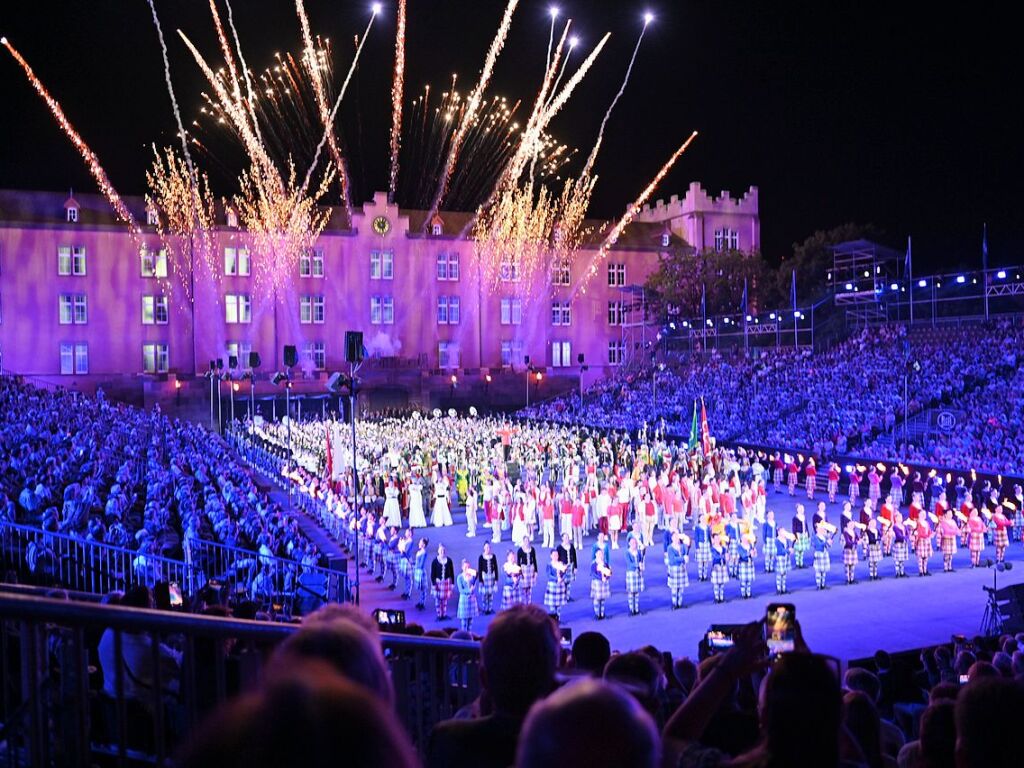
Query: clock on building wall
381,225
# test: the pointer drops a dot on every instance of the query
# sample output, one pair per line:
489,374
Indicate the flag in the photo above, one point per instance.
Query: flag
705,433
984,246
908,264
694,439
330,457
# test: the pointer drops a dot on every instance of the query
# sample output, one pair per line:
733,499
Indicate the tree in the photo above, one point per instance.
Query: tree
682,275
812,259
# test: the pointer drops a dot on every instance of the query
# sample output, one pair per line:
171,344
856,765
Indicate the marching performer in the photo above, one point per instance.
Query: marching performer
600,583
811,478
471,510
526,558
822,543
468,606
405,554
923,545
792,470
769,532
442,576
948,533
850,540
781,556
511,575
885,518
676,558
801,534
702,542
745,565
419,573
487,570
554,592
856,476
732,534
719,567
975,536
777,467
442,515
833,482
874,548
634,576
1001,538
567,555
900,545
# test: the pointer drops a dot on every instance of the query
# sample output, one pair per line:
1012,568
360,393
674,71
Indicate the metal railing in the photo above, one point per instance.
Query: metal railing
82,681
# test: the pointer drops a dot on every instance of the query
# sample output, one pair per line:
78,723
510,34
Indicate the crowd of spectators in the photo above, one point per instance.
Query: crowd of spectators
847,400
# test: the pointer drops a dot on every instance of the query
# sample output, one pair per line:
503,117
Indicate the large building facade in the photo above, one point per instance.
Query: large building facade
82,297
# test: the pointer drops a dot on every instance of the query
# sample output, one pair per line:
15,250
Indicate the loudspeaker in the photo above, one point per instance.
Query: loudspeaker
254,360
232,361
291,356
353,346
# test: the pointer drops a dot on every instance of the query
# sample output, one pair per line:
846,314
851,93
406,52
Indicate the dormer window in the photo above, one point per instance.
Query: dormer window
435,229
152,217
436,226
232,217
71,209
665,238
72,214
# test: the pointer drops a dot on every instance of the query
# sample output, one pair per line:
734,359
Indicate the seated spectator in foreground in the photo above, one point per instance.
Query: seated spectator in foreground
985,709
638,675
518,657
307,716
590,652
869,684
936,746
861,720
585,724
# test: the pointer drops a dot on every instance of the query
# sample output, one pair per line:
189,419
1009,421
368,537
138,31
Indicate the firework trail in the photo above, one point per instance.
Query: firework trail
397,95
170,89
337,104
622,89
225,48
245,69
313,66
91,160
473,104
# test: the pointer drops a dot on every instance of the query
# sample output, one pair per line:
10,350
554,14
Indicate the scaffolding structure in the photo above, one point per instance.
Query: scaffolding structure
862,272
634,333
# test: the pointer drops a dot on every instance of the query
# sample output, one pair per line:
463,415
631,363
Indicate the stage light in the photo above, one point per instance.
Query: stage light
749,318
828,276
710,323
867,273
672,326
771,316
849,286
894,287
922,283
961,279
177,384
938,283
797,315
540,377
455,379
235,386
1001,274
487,378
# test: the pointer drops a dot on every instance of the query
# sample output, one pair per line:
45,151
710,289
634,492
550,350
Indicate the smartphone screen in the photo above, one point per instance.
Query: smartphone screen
718,640
779,629
174,593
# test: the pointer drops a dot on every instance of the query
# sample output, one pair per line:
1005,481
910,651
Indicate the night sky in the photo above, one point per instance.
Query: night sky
898,114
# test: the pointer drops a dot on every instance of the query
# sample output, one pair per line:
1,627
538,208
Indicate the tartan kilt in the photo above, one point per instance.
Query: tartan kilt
811,483
874,553
833,487
677,578
719,575
442,590
570,575
822,562
746,571
391,557
849,556
900,551
529,578
469,608
488,585
948,546
704,552
782,564
777,477
924,548
404,566
1001,538
554,595
734,549
634,581
792,478
600,589
419,578
802,543
976,541
510,596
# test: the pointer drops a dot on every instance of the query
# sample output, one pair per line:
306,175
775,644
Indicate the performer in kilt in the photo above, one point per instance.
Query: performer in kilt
511,578
719,568
777,466
874,548
781,557
885,517
900,545
392,558
975,536
1001,537
792,470
380,546
675,561
526,558
745,565
822,543
419,573
850,540
811,478
833,482
600,583
1018,512
923,546
634,576
769,531
567,556
856,476
442,576
554,591
405,562
801,534
732,533
468,609
949,531
487,573
702,543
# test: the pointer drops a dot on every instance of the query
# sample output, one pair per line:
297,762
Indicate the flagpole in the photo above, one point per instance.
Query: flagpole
910,278
704,316
796,327
984,264
746,343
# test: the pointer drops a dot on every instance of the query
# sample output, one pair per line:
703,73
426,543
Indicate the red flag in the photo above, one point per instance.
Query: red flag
705,433
330,457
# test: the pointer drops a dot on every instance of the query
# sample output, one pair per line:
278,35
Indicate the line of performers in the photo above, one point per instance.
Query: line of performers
724,547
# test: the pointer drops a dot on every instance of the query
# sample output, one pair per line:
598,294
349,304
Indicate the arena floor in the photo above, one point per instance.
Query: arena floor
847,621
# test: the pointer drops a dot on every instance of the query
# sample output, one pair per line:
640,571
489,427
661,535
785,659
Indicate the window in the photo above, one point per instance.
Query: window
311,310
727,240
436,229
311,263
616,313
72,214
447,266
509,271
71,260
73,309
78,260
560,273
154,263
155,358
236,261
74,358
64,260
511,311
382,265
510,352
314,354
666,238
240,350
154,310
448,310
616,275
561,354
382,310
616,352
447,354
152,217
237,308
561,314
